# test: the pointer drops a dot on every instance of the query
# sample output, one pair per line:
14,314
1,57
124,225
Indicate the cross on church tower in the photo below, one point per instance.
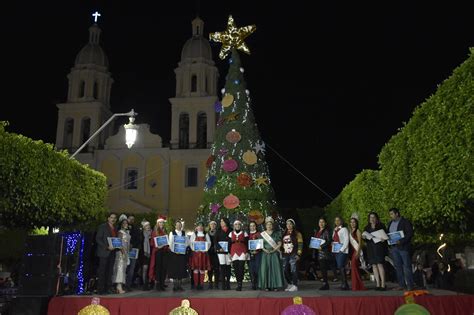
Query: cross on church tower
96,16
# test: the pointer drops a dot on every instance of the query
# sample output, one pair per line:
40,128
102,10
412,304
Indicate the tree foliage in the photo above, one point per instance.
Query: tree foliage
426,168
42,187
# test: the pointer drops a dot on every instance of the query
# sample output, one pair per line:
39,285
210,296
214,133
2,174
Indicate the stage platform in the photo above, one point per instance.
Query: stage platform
249,302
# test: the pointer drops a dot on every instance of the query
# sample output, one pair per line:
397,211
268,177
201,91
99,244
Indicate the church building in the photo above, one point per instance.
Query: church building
148,177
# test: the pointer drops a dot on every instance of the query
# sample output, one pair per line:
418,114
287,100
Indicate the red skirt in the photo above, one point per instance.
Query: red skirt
200,261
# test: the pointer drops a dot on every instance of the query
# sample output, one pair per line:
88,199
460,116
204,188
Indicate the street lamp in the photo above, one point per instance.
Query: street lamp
131,131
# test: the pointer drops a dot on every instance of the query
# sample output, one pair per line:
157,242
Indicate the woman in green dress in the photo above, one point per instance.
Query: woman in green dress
271,273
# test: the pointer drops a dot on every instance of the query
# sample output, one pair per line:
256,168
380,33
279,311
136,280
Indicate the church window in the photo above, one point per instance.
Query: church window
193,83
82,89
207,89
85,131
131,178
68,132
191,176
96,90
184,131
201,133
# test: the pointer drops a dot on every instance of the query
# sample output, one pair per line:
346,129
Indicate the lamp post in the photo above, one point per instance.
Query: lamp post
131,131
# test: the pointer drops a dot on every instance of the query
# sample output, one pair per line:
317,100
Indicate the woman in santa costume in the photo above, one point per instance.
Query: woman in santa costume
159,256
200,261
238,251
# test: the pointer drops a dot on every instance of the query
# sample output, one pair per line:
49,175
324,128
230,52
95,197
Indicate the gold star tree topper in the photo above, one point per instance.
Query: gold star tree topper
232,37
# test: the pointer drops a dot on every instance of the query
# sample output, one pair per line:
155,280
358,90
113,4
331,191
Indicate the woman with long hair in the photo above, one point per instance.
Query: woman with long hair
340,238
324,252
356,244
376,251
177,269
222,238
271,272
213,274
121,258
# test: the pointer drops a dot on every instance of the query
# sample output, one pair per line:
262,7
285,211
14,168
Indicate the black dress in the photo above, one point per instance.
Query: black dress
376,252
177,264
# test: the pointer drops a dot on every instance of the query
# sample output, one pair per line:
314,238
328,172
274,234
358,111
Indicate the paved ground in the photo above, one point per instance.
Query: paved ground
306,288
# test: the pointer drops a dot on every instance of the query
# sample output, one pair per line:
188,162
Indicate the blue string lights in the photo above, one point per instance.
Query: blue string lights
71,241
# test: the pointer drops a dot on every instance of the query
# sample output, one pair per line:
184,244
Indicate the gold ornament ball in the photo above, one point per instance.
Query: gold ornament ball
227,100
250,157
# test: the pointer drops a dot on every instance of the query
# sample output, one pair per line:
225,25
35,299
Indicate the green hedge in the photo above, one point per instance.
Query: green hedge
42,187
426,168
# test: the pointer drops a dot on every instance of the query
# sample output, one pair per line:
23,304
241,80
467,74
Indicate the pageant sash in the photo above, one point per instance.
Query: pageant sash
354,242
269,240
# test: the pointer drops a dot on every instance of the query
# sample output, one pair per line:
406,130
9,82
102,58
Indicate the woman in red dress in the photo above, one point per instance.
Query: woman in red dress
355,239
200,261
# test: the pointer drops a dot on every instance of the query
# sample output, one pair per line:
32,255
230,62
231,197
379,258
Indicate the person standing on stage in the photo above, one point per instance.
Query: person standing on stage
255,255
136,241
159,256
177,266
324,252
145,253
400,251
376,251
105,253
121,257
355,238
340,237
271,273
213,274
199,261
292,250
238,252
222,237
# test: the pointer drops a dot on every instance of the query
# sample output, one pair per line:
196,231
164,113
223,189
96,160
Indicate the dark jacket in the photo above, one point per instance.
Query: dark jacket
405,226
222,236
103,231
325,251
136,235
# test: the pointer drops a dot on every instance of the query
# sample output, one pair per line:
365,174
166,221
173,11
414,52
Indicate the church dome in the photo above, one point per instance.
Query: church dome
92,53
196,47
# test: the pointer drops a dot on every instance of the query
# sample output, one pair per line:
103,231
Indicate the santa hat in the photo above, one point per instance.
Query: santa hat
161,218
237,221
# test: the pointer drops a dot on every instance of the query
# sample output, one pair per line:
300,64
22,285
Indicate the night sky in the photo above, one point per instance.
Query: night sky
330,82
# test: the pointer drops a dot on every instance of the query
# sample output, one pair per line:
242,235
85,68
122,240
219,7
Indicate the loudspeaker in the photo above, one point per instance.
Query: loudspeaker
38,270
28,305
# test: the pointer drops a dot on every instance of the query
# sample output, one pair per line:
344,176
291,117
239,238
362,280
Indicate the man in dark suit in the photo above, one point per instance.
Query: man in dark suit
136,241
105,253
400,251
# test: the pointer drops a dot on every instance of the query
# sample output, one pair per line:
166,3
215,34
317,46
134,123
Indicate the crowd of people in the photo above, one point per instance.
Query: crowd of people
272,259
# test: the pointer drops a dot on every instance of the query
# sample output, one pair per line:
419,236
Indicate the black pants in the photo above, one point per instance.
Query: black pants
214,269
161,266
239,266
323,264
106,266
225,275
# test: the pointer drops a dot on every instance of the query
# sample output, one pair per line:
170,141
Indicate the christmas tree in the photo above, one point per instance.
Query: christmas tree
238,181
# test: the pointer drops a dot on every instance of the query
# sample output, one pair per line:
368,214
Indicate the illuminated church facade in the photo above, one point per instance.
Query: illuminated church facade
148,177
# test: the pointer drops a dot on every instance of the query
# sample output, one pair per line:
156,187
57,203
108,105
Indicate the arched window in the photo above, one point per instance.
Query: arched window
85,131
68,132
96,90
207,87
82,88
184,131
193,83
201,142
